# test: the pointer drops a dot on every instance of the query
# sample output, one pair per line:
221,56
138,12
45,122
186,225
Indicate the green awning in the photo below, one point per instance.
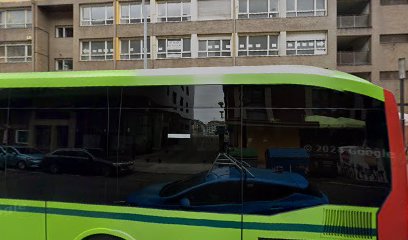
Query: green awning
331,122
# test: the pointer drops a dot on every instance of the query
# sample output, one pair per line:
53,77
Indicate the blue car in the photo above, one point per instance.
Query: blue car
265,192
20,157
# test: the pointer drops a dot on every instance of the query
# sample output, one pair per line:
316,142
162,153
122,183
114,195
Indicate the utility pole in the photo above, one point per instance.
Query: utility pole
402,76
144,15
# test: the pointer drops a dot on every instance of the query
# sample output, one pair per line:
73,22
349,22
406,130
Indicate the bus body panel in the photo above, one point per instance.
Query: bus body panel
55,220
20,219
66,221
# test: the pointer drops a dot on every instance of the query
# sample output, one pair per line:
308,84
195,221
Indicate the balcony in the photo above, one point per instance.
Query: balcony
356,21
353,13
347,58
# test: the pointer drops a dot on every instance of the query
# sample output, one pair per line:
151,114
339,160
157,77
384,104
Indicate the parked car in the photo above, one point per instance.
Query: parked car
83,160
3,155
265,192
21,157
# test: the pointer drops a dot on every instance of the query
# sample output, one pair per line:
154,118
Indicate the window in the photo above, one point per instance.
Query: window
131,49
61,153
174,48
214,9
173,11
390,75
96,50
393,2
214,48
18,18
63,64
64,32
21,136
394,38
255,191
132,12
15,52
79,154
10,150
306,44
92,15
217,193
262,45
258,8
181,103
305,8
174,98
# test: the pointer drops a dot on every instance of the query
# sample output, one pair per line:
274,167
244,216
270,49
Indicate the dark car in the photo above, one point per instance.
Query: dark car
265,192
85,161
3,159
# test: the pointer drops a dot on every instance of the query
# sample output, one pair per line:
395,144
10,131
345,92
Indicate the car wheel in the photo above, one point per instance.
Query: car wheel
102,237
106,171
54,168
21,165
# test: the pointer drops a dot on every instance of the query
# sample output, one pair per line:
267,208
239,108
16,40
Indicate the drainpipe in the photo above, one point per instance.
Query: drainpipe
33,35
144,34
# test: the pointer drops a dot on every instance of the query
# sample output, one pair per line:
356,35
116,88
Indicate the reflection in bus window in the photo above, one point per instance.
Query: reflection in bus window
138,145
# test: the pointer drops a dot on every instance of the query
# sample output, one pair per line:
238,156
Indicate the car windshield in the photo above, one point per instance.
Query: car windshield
99,153
28,150
176,187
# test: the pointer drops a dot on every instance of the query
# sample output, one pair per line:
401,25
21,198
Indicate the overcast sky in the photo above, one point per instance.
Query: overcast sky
206,100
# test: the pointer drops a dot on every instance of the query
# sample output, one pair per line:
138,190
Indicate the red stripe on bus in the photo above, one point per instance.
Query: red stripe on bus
392,219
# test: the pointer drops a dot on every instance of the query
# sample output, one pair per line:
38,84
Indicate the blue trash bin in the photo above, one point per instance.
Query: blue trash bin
288,159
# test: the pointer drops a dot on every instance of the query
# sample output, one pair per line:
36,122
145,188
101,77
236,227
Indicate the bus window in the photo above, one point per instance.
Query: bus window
336,141
174,144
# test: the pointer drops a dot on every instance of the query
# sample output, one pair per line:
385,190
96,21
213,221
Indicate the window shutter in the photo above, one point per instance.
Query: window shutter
214,9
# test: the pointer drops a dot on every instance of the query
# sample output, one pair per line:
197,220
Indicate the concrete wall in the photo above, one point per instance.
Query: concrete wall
48,48
59,47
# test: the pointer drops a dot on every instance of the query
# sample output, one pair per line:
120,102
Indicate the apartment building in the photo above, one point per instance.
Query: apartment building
362,37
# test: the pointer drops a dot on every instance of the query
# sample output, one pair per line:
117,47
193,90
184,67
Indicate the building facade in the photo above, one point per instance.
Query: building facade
362,37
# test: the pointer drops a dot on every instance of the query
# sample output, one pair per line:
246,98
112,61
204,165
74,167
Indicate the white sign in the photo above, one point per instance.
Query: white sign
178,135
401,68
174,45
362,164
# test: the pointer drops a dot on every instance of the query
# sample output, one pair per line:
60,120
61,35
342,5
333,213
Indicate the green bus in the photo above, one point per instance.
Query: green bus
223,153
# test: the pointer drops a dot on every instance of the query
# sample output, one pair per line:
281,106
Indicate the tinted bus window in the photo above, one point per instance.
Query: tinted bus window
164,147
336,141
174,136
112,145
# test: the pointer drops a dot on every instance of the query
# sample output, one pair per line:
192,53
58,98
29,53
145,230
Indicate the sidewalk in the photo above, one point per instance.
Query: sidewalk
177,168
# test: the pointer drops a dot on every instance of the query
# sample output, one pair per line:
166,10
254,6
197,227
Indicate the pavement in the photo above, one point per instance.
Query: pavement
171,168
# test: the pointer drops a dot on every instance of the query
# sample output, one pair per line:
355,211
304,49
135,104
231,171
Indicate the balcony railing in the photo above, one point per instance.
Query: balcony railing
353,58
360,21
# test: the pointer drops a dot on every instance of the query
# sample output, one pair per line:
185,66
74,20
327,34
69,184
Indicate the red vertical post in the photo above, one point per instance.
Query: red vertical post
393,216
